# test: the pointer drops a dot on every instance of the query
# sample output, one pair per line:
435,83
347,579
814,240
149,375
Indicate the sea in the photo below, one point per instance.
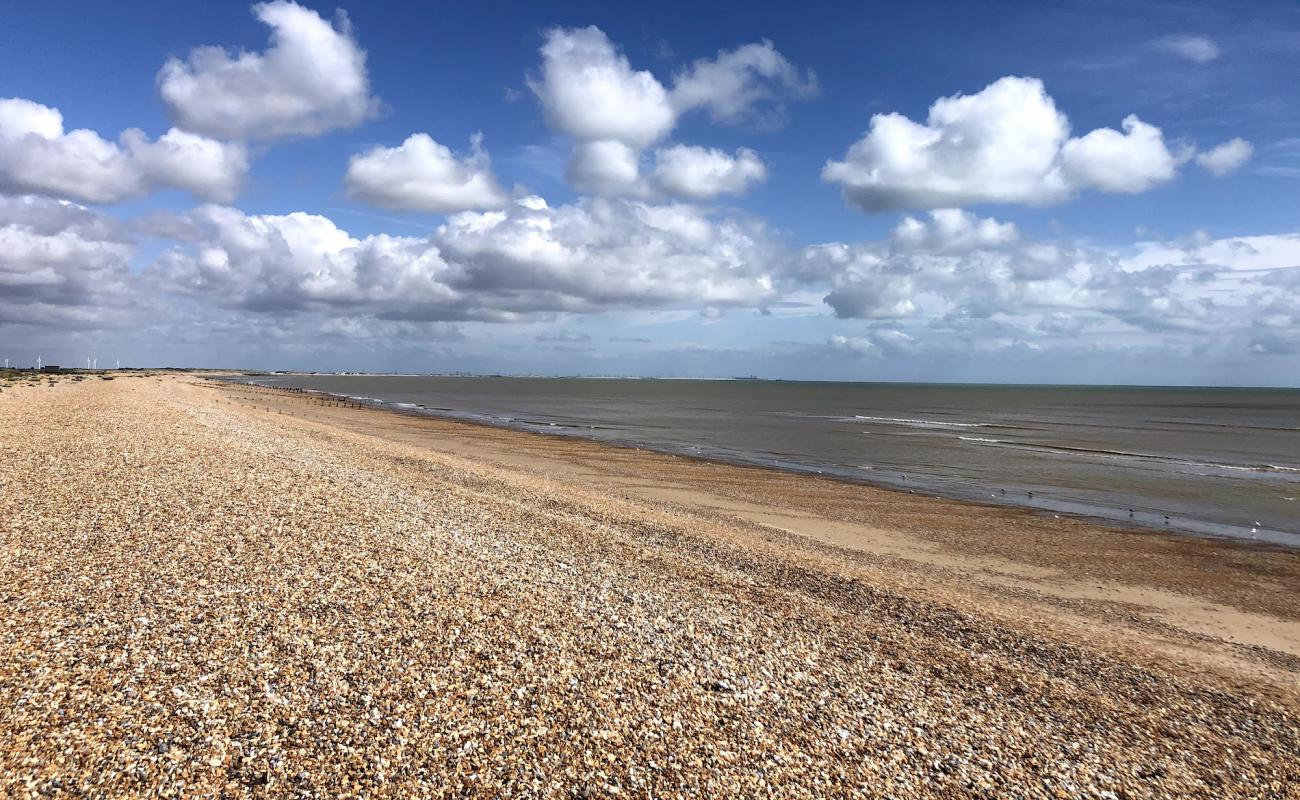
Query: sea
1204,461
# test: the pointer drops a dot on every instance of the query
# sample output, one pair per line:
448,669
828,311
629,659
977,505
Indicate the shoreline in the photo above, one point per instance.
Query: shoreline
219,588
1077,568
1172,524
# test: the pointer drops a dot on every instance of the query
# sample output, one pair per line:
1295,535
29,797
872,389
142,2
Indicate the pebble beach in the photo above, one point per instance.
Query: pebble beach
208,594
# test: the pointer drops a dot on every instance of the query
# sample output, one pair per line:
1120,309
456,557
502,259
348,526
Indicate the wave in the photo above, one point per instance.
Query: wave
1051,448
918,423
577,426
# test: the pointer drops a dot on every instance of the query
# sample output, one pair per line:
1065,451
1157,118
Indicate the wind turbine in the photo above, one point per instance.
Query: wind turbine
38,363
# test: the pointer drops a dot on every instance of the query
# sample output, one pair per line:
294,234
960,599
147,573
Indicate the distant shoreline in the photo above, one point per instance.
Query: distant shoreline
534,376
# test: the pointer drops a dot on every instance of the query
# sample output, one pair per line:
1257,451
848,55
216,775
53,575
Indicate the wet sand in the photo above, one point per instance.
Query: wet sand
217,589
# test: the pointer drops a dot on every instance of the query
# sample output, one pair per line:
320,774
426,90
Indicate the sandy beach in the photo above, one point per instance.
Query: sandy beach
217,590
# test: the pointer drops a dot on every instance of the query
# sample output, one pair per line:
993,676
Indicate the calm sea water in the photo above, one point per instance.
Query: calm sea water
1213,461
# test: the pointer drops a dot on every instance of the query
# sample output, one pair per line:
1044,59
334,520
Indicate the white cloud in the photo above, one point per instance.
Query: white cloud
61,265
1228,157
894,342
1239,253
700,173
962,267
737,82
598,254
1196,49
310,80
946,288
852,346
886,342
294,261
20,118
589,91
605,166
951,230
423,175
206,168
610,167
525,260
1110,161
1005,144
37,156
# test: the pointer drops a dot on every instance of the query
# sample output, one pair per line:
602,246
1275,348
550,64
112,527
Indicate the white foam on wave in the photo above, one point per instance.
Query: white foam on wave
917,423
1124,454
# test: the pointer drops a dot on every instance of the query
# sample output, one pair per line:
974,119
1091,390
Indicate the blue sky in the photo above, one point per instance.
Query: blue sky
301,232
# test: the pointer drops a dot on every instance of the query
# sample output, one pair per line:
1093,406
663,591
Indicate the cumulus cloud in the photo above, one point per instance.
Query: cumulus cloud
749,81
38,156
852,346
311,79
943,282
60,264
955,266
968,282
206,168
423,175
598,254
1228,157
590,91
700,173
526,260
609,167
1007,143
1110,161
951,230
883,342
293,261
1196,49
606,166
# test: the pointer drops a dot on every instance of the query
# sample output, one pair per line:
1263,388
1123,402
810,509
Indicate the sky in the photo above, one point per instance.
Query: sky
1000,192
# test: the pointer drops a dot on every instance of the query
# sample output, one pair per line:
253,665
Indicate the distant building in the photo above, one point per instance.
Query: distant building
51,368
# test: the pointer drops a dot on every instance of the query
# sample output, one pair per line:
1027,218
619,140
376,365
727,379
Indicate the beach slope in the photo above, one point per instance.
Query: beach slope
208,592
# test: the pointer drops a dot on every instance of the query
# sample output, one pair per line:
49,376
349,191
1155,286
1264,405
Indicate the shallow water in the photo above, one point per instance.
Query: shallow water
1213,461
